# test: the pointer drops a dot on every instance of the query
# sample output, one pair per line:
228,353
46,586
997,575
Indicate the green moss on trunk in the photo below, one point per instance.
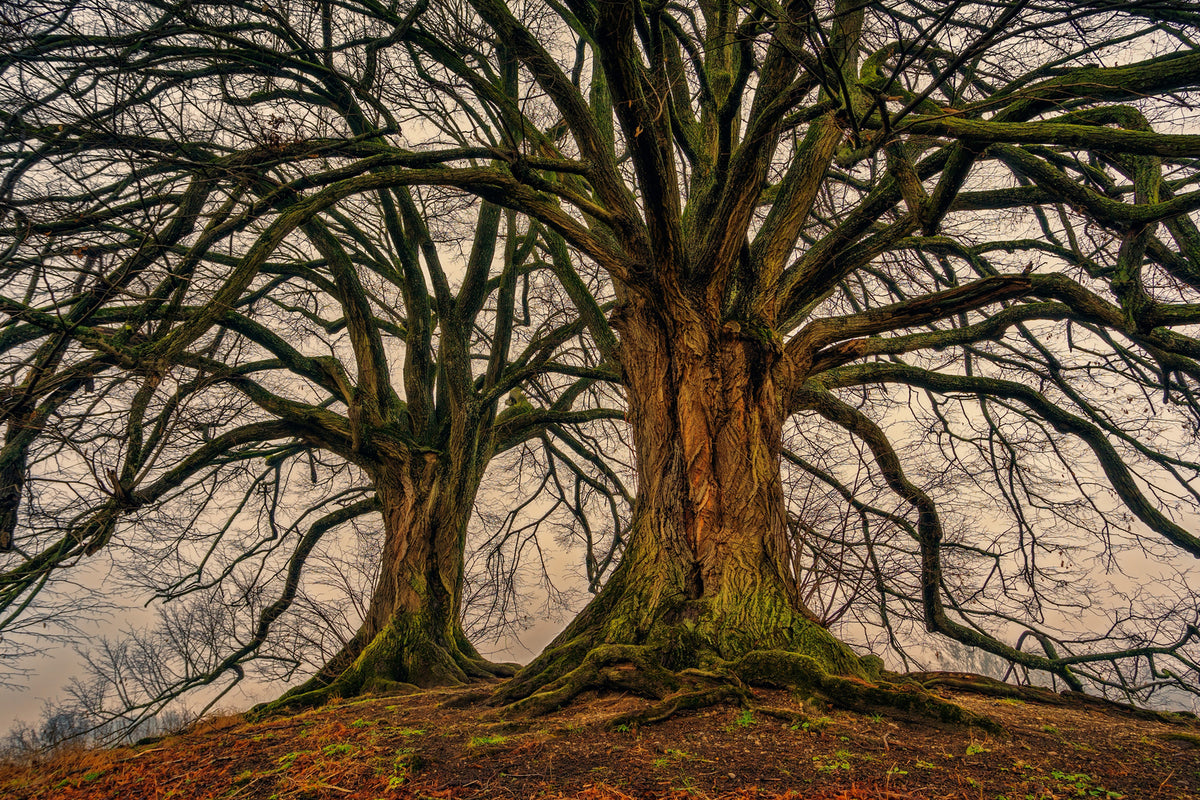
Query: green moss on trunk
404,653
411,652
706,576
652,612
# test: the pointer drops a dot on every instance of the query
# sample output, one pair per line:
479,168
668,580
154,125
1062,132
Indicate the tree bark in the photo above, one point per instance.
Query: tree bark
412,634
706,577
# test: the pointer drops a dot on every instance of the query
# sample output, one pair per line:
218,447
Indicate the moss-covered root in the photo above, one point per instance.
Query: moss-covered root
632,668
684,701
476,666
784,669
551,665
404,657
290,703
981,684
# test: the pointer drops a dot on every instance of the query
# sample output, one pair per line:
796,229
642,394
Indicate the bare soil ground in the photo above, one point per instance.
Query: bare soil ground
450,745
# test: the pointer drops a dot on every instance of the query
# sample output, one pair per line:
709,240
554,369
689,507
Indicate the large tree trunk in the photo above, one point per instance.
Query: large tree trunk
412,634
706,576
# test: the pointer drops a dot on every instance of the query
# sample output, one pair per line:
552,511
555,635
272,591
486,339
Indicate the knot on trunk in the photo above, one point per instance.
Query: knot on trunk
755,344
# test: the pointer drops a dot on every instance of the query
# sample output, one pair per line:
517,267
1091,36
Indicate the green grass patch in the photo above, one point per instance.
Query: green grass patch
486,741
410,731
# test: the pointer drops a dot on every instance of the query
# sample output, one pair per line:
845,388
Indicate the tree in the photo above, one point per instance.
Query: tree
839,224
823,213
230,333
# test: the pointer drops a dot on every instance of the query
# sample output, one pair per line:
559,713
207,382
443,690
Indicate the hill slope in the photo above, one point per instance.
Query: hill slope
450,744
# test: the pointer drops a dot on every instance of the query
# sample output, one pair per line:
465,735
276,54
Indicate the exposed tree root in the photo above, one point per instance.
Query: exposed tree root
802,674
628,667
401,659
685,701
637,669
981,684
790,716
468,697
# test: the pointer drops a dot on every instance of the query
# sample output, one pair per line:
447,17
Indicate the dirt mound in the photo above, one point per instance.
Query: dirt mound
452,745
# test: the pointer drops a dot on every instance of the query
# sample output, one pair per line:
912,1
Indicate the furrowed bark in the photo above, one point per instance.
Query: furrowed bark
411,635
705,579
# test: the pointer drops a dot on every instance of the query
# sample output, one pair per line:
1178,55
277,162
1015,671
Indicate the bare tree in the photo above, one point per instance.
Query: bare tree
230,333
947,246
968,224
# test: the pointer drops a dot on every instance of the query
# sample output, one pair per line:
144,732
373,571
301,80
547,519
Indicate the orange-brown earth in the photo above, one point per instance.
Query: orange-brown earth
451,744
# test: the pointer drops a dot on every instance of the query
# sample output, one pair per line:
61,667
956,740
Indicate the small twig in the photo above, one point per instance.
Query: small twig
141,753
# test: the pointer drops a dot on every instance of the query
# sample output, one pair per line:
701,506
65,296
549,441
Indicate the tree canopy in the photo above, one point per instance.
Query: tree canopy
970,225
901,296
